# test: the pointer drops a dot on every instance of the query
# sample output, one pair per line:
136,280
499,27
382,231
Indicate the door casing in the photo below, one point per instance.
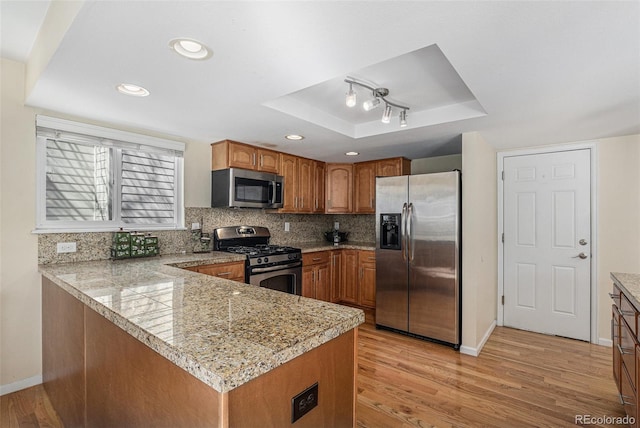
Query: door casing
594,223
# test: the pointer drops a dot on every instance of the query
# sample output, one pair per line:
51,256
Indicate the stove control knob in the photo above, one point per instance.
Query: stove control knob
259,260
266,260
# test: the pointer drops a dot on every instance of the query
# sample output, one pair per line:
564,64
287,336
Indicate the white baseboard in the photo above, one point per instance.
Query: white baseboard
474,352
605,342
21,384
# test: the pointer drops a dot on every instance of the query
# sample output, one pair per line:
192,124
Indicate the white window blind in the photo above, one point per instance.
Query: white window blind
97,180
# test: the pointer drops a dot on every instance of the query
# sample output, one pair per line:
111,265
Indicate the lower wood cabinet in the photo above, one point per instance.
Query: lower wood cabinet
232,270
626,352
367,278
316,278
347,276
336,275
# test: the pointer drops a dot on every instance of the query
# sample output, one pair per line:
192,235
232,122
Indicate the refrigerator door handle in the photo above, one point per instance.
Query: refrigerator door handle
410,232
403,235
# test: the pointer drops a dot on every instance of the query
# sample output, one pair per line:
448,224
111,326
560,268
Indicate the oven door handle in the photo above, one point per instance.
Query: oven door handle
278,267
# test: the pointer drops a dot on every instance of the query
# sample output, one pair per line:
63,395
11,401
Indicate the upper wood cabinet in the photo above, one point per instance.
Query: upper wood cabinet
339,188
318,183
364,180
392,167
232,154
299,188
364,184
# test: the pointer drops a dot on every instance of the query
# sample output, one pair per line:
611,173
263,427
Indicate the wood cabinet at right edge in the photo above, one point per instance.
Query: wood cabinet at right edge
626,352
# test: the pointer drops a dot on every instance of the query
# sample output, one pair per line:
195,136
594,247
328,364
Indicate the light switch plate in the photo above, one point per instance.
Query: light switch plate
336,225
195,226
286,226
66,247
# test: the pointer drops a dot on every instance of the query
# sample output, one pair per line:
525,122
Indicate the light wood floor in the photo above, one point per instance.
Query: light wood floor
520,379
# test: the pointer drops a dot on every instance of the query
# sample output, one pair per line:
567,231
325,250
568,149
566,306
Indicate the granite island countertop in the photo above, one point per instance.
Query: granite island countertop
630,284
224,333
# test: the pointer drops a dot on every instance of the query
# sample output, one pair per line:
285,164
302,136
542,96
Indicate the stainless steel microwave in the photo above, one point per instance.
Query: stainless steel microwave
242,188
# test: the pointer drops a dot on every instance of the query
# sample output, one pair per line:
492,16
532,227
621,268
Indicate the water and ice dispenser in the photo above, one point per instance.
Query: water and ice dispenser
390,238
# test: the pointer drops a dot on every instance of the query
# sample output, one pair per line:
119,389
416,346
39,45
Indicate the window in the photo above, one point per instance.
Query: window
98,179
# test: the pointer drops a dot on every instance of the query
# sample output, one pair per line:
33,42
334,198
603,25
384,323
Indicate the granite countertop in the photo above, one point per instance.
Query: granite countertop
630,284
308,247
224,333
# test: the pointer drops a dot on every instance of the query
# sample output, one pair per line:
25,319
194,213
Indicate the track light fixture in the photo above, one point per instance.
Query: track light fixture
377,95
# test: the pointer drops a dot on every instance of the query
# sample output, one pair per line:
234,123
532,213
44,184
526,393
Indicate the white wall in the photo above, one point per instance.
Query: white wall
618,214
479,244
436,164
20,330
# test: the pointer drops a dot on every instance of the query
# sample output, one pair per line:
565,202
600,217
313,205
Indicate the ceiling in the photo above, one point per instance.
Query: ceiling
520,73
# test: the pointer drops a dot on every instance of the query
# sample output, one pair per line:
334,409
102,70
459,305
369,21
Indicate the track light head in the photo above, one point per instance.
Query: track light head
403,119
351,97
386,116
371,104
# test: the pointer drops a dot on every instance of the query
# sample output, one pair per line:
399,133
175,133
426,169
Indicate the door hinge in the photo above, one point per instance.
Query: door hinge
502,175
503,237
503,299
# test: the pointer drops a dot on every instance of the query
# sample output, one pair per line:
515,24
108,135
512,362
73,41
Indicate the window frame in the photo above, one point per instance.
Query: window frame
117,140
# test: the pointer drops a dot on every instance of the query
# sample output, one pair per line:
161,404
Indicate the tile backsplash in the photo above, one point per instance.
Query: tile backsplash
302,228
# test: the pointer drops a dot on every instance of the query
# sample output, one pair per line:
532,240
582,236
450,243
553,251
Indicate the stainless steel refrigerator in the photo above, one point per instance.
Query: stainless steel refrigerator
418,233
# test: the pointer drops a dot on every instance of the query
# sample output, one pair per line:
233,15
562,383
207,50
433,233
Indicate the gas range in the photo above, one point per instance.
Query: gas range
271,266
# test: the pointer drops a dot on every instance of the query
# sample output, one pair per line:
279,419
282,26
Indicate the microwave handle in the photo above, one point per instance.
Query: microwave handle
272,192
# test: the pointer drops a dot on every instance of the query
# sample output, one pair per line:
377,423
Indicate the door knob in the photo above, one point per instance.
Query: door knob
582,242
581,255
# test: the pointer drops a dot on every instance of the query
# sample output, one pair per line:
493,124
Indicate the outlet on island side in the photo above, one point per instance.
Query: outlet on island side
302,403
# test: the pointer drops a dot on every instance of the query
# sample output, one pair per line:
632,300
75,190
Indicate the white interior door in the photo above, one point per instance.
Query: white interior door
547,243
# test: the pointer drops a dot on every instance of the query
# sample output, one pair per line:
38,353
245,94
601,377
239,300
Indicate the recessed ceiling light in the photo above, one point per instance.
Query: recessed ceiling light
190,48
352,153
131,89
294,137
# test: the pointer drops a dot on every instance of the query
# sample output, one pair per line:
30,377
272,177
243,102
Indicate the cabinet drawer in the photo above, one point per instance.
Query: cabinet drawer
627,350
629,314
316,258
234,271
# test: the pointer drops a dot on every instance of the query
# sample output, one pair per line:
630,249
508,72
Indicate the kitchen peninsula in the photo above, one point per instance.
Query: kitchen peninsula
142,342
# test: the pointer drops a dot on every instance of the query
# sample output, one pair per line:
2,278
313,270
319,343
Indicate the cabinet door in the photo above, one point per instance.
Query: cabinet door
323,282
308,282
364,179
349,291
242,156
268,160
336,275
289,170
339,188
368,284
305,186
392,167
318,187
233,271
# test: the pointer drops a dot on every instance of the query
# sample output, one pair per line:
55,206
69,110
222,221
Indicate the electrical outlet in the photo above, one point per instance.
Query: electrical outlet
66,247
195,226
286,226
336,225
302,403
